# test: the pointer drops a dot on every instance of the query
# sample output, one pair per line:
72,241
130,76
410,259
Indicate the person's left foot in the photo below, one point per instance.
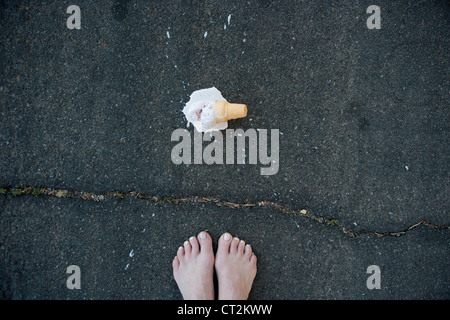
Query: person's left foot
193,268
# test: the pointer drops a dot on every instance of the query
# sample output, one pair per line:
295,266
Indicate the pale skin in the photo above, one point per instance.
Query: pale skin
234,263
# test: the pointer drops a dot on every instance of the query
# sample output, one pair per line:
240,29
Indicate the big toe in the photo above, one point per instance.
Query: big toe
205,242
224,244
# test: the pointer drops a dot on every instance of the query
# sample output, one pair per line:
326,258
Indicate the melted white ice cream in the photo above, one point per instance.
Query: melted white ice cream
199,112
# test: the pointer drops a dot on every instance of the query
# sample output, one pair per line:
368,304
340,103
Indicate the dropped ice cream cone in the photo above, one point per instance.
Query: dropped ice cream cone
208,110
228,111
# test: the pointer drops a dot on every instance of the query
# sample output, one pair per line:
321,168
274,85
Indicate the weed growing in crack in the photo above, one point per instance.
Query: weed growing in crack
333,222
119,195
16,192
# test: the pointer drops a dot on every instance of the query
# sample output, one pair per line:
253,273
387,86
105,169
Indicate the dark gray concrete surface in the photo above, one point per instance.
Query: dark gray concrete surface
124,249
93,110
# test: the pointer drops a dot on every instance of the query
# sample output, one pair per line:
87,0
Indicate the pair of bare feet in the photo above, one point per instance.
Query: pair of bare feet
234,263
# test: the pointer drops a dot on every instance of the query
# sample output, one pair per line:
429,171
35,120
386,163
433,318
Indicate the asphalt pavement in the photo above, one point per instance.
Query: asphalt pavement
87,115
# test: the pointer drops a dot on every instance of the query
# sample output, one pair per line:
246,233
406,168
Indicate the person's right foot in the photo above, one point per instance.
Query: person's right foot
235,266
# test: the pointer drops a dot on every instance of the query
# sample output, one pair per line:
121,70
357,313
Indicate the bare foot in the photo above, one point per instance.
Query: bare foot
235,268
193,268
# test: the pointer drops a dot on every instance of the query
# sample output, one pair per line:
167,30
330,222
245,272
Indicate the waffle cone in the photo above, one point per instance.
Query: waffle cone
228,111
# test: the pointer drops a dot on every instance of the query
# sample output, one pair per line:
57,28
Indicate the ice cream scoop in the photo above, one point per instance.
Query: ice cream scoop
208,110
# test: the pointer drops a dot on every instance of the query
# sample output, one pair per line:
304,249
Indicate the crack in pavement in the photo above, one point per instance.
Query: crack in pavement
98,197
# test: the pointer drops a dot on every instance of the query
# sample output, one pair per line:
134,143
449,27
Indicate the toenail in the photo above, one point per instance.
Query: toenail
202,235
236,238
191,238
226,236
242,241
186,243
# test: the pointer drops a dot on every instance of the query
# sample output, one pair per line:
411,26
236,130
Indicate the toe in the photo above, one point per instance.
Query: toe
241,247
194,245
187,248
175,264
253,260
180,254
205,242
234,245
248,250
224,244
